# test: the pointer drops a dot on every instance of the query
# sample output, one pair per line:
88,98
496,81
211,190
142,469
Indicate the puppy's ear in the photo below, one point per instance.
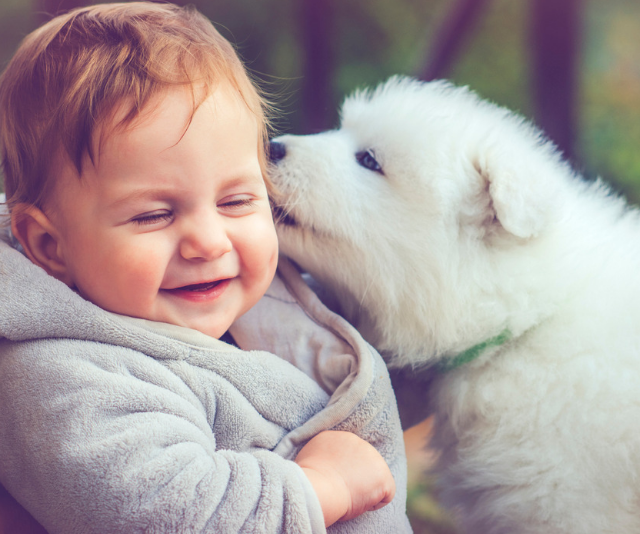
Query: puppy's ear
521,191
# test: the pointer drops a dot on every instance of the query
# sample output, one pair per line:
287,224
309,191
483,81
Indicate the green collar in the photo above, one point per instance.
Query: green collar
474,352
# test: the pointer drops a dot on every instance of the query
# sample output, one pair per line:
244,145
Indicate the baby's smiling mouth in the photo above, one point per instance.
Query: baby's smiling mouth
205,286
201,290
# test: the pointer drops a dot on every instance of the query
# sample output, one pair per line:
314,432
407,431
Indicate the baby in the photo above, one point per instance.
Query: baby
135,173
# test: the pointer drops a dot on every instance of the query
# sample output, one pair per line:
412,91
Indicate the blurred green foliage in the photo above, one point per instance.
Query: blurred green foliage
425,514
610,139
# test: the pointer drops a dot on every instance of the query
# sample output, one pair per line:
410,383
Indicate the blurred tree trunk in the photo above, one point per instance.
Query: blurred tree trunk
455,30
556,39
316,24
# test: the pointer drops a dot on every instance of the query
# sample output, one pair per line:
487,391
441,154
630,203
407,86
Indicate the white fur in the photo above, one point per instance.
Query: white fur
477,225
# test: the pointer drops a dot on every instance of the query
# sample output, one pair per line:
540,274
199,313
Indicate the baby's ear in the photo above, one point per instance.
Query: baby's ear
40,240
522,188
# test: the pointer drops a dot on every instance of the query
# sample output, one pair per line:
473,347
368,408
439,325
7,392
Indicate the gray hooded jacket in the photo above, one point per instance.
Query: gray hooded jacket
114,424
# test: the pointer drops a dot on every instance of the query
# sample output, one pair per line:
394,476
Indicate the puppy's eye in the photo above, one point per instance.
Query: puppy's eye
367,159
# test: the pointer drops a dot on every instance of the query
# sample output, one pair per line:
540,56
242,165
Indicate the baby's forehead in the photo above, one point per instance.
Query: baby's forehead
113,130
126,118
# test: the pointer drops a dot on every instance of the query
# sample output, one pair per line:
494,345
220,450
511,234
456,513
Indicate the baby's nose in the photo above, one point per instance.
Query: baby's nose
205,242
277,151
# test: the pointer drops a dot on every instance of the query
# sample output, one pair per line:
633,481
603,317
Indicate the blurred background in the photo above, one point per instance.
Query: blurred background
572,66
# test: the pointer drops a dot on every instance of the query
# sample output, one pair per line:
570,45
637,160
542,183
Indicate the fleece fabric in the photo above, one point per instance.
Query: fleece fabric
114,424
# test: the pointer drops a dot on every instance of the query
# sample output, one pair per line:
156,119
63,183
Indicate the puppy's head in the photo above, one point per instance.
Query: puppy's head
389,210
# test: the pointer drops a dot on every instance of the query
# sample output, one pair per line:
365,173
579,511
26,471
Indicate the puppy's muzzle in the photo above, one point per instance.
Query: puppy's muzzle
277,151
281,216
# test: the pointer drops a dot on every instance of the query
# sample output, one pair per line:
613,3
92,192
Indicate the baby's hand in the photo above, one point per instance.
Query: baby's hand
348,475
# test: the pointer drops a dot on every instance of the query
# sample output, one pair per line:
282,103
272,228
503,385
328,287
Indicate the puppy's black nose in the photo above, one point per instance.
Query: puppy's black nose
277,151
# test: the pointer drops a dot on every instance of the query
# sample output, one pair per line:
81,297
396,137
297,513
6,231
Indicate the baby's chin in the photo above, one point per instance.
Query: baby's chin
215,329
209,326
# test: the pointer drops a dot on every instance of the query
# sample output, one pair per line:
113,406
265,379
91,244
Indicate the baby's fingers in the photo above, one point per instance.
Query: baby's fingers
373,500
386,499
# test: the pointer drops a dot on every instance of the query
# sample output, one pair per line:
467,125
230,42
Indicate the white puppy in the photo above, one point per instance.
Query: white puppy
452,234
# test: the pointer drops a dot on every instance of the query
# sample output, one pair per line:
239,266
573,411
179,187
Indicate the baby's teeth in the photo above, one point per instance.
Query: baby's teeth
200,287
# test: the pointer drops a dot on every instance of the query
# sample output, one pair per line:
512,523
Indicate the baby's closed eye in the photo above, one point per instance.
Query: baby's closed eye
153,217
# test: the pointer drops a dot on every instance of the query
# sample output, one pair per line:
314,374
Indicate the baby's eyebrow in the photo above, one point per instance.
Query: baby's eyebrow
138,195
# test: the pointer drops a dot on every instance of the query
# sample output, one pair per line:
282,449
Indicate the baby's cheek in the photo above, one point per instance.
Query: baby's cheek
143,272
130,279
266,253
266,261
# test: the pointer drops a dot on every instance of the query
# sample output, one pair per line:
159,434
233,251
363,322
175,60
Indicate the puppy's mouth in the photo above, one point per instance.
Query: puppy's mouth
281,216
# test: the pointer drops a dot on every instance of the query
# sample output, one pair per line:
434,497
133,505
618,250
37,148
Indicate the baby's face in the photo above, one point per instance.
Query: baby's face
169,225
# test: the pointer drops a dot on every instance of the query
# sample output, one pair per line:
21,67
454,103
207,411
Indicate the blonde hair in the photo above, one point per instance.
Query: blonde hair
71,73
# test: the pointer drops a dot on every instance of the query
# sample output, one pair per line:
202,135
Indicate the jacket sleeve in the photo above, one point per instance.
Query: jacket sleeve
102,445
